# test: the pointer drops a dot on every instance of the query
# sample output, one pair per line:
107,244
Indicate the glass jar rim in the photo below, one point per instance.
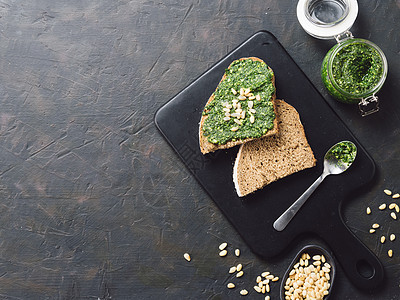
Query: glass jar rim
373,89
328,30
310,3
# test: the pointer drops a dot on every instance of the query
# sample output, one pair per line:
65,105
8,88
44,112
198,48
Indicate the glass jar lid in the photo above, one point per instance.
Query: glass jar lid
327,19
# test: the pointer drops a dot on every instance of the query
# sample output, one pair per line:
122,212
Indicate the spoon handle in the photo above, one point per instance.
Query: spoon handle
288,215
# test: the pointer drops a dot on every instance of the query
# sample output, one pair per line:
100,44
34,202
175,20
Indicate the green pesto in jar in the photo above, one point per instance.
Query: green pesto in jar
259,115
357,68
343,152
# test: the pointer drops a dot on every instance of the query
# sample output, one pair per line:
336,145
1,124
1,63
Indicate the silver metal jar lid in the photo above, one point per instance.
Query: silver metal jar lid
327,19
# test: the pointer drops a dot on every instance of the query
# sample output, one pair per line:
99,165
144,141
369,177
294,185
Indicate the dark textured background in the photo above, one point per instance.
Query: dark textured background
94,203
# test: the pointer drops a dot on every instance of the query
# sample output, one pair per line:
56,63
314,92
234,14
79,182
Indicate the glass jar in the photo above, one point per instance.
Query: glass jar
344,72
353,71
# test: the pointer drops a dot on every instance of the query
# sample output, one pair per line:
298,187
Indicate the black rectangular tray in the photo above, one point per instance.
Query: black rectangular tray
253,215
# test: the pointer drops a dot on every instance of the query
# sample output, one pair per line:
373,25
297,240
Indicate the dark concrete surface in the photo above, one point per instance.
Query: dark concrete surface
95,204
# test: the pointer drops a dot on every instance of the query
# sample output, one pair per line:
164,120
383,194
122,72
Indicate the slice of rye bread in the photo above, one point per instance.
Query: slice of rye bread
262,161
206,146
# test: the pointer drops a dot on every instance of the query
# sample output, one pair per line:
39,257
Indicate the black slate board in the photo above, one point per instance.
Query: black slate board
253,216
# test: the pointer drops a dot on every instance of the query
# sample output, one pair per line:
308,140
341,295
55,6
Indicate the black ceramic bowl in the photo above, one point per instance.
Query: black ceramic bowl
312,250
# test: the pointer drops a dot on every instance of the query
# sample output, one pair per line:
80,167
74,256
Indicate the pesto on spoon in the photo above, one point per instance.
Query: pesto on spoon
337,160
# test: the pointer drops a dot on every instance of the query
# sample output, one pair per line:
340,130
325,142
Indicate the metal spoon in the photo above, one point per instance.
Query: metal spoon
337,160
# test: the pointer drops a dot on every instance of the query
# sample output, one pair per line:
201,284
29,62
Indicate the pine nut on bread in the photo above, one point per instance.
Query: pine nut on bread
263,161
240,107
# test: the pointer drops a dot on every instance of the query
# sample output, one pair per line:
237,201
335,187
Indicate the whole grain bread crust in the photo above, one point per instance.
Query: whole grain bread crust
263,161
206,146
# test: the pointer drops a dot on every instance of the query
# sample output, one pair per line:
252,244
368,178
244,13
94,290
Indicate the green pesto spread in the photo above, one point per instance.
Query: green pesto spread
343,152
357,68
242,106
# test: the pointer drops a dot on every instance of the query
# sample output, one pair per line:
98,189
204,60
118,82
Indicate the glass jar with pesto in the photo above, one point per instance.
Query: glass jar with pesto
353,70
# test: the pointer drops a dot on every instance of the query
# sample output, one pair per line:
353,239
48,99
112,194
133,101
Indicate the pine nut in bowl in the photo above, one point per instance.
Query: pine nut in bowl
311,274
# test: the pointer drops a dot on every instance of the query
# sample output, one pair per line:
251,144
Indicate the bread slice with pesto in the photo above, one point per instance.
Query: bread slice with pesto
263,161
242,108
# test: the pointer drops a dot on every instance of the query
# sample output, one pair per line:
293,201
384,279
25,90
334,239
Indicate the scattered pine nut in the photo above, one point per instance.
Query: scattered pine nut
232,270
187,256
390,253
239,267
368,210
240,274
244,292
375,226
302,262
392,205
265,274
371,230
328,276
395,196
392,237
316,257
383,239
317,263
263,285
267,297
223,246
382,206
237,252
325,269
223,253
237,121
387,192
393,215
230,285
